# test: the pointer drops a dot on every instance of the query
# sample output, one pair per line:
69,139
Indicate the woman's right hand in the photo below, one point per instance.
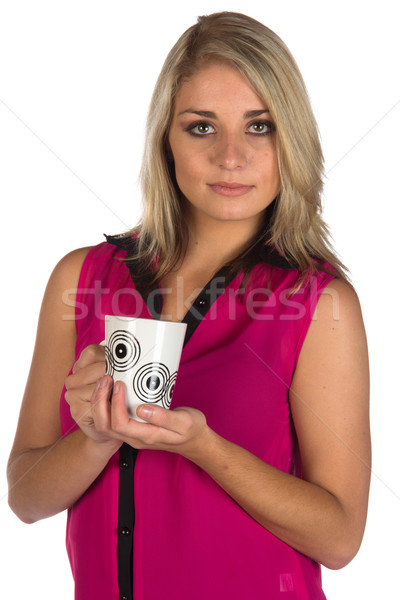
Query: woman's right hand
80,385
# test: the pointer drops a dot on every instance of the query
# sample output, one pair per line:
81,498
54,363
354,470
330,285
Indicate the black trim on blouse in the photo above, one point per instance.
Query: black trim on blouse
201,305
126,521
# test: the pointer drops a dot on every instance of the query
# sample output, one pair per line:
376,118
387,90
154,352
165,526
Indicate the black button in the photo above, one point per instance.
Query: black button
123,597
125,531
123,464
200,302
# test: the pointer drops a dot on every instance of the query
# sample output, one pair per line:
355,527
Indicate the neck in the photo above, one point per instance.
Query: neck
218,243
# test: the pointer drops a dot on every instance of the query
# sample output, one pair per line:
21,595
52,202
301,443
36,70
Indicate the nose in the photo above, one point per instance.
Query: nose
231,152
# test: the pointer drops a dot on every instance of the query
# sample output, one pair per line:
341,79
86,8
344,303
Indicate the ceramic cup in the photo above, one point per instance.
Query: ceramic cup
144,354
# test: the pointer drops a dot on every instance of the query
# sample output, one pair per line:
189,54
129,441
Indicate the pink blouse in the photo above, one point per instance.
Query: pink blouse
191,540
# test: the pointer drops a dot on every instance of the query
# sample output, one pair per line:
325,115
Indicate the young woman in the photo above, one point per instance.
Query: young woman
260,470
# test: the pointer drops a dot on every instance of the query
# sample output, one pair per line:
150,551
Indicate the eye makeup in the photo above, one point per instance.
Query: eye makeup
203,128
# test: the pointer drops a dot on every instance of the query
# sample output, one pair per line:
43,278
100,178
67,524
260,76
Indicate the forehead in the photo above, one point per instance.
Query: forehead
219,85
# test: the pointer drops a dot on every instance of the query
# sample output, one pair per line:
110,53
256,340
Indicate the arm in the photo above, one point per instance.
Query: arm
47,473
322,515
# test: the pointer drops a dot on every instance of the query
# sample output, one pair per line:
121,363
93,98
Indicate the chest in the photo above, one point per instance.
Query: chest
179,292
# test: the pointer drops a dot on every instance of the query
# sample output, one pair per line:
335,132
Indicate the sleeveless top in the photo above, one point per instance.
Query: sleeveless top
153,524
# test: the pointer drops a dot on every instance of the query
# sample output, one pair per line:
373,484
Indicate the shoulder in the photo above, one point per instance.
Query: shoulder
69,267
338,301
337,328
73,259
63,279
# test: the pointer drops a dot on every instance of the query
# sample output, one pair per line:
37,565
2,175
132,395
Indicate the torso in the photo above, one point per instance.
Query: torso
239,350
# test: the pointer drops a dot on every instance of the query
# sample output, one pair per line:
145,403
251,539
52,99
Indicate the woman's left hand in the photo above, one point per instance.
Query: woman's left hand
182,430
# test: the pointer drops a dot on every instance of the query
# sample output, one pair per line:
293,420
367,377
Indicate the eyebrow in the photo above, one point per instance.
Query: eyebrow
250,114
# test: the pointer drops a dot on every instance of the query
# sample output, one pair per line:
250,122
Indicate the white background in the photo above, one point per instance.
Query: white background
75,82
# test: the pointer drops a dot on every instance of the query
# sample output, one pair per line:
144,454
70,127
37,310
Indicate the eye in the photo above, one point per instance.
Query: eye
200,129
261,128
123,351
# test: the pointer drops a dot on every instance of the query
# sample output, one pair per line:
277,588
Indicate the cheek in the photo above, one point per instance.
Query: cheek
272,171
186,169
184,178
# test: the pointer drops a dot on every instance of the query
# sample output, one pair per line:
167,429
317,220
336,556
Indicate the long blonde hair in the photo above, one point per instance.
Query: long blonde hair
296,228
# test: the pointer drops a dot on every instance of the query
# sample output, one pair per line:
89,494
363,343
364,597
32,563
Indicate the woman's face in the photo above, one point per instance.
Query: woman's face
223,145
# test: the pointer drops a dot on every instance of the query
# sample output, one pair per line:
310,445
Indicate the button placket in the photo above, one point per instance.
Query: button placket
126,520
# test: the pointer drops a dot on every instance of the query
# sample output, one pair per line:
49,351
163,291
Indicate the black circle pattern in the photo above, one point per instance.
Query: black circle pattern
169,390
109,362
122,352
150,381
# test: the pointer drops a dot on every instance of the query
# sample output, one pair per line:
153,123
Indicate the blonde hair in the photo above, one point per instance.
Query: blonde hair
296,228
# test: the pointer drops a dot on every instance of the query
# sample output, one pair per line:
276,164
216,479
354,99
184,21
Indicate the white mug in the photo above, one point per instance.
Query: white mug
144,354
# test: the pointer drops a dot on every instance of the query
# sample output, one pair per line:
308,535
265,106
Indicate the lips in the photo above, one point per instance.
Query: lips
230,188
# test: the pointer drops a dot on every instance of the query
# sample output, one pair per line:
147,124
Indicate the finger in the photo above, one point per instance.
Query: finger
139,435
173,420
120,419
86,376
100,404
81,395
79,403
91,354
81,412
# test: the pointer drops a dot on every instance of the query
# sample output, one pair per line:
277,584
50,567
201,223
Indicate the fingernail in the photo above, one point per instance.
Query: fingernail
117,386
144,412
